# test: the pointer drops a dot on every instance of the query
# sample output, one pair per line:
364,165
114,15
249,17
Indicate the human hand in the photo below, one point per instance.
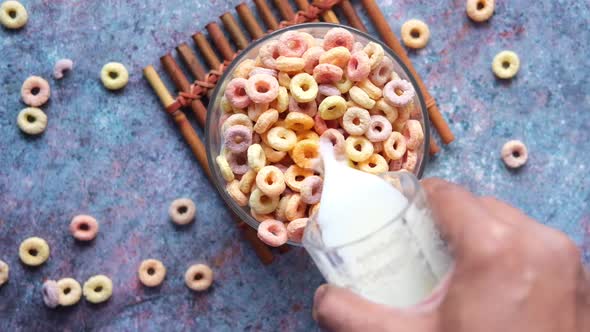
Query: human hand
511,274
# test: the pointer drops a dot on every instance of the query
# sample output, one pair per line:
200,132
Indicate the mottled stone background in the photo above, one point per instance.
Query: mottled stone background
118,157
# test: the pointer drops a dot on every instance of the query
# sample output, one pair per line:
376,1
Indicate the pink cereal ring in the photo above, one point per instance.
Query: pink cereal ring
328,90
379,129
398,93
262,88
262,70
311,189
238,162
292,44
235,92
327,73
338,37
414,134
380,75
312,58
514,153
309,108
272,232
61,67
35,91
336,138
319,124
238,138
295,229
84,227
358,67
269,52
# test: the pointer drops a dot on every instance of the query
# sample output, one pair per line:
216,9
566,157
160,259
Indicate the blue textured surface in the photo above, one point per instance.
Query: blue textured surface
118,157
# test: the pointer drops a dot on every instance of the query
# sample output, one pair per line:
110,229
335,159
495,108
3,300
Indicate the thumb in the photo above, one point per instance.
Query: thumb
338,309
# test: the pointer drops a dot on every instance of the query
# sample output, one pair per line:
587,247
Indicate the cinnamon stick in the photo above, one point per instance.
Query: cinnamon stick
351,15
219,40
285,9
266,14
249,20
231,25
391,40
190,60
434,148
182,84
206,50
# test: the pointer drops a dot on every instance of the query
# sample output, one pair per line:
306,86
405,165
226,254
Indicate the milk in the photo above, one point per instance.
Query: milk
368,237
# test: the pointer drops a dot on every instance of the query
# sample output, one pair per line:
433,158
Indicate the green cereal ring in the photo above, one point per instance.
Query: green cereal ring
13,15
32,121
506,64
98,289
33,251
114,76
4,272
70,291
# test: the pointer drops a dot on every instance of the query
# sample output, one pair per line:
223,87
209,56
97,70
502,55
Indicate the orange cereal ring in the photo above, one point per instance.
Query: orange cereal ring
358,148
289,64
247,181
233,189
298,121
271,181
303,88
383,108
413,134
281,138
410,161
360,97
336,37
305,152
266,120
198,277
375,53
282,207
272,155
326,73
376,164
295,208
395,146
84,227
415,33
272,232
312,58
356,121
295,229
337,56
262,203
308,134
151,272
295,175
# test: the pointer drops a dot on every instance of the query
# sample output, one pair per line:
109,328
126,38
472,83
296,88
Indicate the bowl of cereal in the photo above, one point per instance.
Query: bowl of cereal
288,89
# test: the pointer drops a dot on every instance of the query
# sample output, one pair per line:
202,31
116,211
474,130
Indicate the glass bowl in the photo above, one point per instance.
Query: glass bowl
214,139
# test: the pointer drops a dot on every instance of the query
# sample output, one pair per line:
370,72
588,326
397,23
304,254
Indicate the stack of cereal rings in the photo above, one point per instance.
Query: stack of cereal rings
298,89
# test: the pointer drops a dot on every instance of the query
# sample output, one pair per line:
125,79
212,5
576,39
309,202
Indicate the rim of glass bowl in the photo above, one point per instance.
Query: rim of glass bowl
218,180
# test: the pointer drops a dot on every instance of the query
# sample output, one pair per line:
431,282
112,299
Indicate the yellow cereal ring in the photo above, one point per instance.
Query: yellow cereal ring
33,251
295,175
281,104
32,120
506,64
98,289
298,121
13,15
337,56
344,84
247,181
4,272
383,108
266,120
332,107
295,208
358,148
271,181
284,79
480,10
70,291
224,168
225,105
395,146
256,157
280,211
244,68
371,89
114,76
376,164
361,97
233,189
290,64
282,139
303,88
375,53
262,203
237,119
308,134
305,152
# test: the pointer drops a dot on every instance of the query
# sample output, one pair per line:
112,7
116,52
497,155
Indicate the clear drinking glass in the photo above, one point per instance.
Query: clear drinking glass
400,264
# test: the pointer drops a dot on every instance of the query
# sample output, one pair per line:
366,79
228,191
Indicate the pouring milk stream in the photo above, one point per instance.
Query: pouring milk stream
373,238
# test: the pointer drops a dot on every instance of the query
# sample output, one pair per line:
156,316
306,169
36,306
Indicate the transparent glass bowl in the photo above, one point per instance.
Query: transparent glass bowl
214,139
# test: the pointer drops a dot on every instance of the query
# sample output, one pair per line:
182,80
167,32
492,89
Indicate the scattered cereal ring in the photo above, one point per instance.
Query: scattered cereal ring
382,107
114,76
295,208
303,88
151,272
338,37
332,107
244,68
344,84
13,15
262,88
70,291
266,120
269,52
298,121
375,53
98,289
289,64
514,153
271,181
376,164
4,272
395,146
360,97
311,189
233,190
238,138
61,67
262,203
337,56
358,67
328,90
506,64
293,44
32,121
256,157
33,251
264,71
273,155
358,148
398,93
35,91
238,162
305,152
410,161
382,73
480,10
326,73
309,108
198,277
312,58
413,134
182,211
356,121
272,232
247,181
415,33
224,168
237,119
296,228
336,138
84,227
50,292
281,138
379,129
235,92
295,175
281,104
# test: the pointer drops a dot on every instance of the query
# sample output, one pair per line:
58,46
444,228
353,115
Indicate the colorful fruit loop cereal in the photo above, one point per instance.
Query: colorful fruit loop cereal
114,76
98,289
198,277
61,67
84,227
13,15
70,291
514,154
32,121
182,211
4,272
35,91
415,33
506,64
50,292
297,89
33,251
151,272
480,10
